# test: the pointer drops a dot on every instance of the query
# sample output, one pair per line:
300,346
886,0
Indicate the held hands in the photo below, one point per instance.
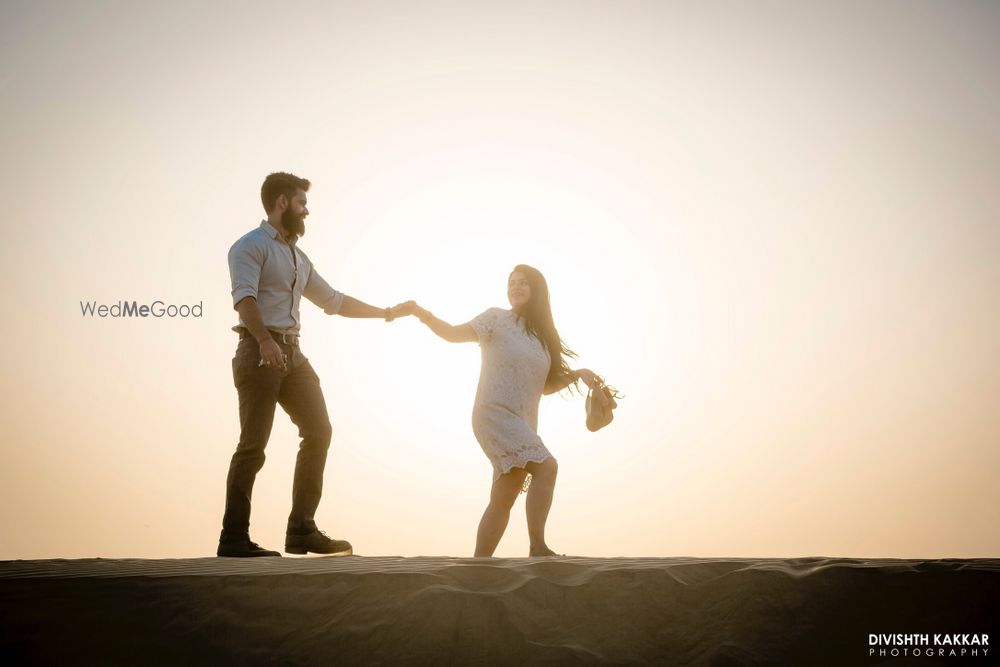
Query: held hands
409,308
400,310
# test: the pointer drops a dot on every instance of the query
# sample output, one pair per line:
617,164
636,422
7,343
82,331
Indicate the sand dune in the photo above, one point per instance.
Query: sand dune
364,610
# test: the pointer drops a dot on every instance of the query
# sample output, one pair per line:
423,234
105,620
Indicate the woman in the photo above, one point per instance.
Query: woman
522,358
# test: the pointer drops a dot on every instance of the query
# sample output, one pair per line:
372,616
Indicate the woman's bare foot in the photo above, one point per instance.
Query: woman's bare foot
538,552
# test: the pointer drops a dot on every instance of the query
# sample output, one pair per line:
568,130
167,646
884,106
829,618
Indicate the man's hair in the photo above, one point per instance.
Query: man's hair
280,183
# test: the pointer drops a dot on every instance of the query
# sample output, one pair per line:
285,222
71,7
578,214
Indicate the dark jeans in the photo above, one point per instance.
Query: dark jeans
260,389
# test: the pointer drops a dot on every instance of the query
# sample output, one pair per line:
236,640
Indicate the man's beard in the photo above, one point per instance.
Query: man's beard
293,224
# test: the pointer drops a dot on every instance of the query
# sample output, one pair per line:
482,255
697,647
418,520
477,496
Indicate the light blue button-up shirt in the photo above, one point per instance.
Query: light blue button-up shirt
262,265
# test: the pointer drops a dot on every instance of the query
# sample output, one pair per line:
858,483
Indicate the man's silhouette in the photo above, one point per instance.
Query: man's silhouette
270,274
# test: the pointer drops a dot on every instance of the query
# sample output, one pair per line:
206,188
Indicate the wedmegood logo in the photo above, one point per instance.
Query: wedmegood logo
135,309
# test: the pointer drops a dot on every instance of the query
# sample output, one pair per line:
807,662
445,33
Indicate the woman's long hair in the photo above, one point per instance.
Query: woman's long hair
537,314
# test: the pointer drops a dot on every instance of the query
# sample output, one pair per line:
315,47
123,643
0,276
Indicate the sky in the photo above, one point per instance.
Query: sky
774,227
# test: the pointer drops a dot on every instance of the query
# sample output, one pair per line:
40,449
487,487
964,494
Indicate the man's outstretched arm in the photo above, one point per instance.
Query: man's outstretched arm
352,307
333,302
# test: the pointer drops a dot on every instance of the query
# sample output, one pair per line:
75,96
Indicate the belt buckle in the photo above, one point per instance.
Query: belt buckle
288,339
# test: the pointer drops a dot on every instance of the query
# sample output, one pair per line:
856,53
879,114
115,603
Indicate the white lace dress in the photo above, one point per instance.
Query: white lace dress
505,415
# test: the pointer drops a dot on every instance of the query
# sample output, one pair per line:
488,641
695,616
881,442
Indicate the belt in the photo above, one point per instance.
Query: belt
286,338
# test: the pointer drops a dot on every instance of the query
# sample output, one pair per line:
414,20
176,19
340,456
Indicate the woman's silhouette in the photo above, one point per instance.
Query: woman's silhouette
522,358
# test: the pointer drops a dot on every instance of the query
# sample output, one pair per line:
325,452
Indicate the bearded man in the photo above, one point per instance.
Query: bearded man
270,274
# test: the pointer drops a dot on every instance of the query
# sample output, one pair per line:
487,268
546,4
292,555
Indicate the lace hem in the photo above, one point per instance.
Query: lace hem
520,463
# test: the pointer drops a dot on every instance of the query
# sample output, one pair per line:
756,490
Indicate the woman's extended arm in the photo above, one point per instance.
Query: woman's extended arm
462,333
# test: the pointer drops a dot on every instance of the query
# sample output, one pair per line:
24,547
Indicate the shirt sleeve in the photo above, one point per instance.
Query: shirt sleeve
319,292
484,324
245,261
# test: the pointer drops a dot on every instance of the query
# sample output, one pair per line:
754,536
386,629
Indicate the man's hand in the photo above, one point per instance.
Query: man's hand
271,355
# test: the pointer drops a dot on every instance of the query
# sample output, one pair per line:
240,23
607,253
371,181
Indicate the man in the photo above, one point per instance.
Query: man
270,274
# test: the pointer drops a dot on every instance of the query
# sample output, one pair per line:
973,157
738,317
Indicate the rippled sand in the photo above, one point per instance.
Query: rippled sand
364,610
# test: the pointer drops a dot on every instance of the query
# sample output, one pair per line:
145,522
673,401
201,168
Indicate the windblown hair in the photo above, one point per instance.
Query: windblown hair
537,314
280,183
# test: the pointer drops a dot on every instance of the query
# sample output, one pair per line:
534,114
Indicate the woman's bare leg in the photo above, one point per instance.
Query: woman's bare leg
543,484
494,521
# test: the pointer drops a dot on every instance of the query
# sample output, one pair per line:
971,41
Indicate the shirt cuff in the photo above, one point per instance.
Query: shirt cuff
332,305
241,293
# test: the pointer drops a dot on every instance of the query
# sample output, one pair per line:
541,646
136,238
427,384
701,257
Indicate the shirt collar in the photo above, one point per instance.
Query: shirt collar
272,231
